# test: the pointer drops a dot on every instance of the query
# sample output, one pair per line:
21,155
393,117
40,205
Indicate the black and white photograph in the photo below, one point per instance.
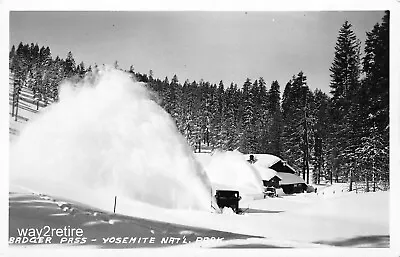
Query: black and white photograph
189,129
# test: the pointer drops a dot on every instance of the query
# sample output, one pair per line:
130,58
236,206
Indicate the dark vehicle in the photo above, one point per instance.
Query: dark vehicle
269,191
270,187
228,198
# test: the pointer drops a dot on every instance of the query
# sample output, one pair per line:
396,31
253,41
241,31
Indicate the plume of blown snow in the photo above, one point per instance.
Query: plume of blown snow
107,136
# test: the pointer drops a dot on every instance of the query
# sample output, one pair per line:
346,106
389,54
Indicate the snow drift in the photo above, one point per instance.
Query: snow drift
230,171
106,138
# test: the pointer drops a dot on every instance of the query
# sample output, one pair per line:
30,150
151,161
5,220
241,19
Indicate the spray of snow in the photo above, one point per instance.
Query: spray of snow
106,137
230,171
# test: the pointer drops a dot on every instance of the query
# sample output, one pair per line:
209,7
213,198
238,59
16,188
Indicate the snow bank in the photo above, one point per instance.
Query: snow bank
363,207
230,171
311,217
106,137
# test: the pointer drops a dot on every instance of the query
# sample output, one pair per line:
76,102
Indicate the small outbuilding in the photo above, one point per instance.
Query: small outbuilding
277,173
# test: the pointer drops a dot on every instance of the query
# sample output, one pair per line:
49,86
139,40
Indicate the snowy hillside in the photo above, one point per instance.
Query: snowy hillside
27,109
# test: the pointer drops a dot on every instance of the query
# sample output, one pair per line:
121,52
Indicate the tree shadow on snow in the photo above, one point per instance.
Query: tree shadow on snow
361,241
26,108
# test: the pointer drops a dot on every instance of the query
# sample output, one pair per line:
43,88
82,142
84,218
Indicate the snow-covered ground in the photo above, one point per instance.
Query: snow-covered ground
301,220
330,217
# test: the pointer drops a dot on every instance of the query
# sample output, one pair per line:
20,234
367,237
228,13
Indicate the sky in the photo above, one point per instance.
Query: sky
214,46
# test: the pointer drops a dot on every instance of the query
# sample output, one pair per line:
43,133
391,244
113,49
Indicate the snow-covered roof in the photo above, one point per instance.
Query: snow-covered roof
264,159
269,160
288,178
265,173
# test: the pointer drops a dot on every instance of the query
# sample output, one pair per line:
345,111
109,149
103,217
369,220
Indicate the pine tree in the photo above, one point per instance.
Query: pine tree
275,114
173,101
11,57
345,74
258,96
219,129
179,111
297,131
231,121
20,69
36,68
376,69
59,76
21,64
247,144
320,130
288,134
165,95
194,119
46,61
187,110
207,111
69,65
374,104
34,56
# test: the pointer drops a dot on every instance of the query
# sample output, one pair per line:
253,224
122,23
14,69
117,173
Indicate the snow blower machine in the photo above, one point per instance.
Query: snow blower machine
228,198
